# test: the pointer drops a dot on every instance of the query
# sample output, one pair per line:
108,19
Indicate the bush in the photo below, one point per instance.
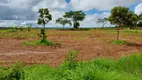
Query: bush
16,72
69,62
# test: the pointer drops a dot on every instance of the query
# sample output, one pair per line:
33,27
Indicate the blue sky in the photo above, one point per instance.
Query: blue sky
23,12
131,7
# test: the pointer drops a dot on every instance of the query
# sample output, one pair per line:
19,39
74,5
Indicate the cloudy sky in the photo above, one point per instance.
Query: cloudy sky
22,12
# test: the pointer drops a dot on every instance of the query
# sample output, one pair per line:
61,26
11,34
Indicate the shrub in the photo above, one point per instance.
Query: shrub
70,63
16,72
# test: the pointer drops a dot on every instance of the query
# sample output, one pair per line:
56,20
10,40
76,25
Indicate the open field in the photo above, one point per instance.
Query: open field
90,44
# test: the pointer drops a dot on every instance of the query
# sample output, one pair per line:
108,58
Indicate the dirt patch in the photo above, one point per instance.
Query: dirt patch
90,44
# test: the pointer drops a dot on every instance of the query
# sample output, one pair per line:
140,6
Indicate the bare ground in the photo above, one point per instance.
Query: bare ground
90,44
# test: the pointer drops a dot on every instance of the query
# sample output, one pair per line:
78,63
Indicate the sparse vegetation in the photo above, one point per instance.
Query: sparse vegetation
119,42
34,43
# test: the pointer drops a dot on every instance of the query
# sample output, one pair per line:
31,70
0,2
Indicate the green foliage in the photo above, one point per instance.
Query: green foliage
131,64
121,16
118,15
44,18
31,43
126,68
21,28
16,72
29,27
76,25
12,29
140,20
63,21
75,16
42,35
70,63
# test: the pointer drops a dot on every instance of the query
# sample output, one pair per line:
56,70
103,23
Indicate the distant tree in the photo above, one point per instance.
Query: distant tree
140,20
119,17
102,21
29,27
63,21
21,28
44,18
75,16
131,20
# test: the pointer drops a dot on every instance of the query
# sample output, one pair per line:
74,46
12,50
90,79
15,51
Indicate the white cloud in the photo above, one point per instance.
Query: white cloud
138,9
17,3
27,10
51,5
101,5
90,20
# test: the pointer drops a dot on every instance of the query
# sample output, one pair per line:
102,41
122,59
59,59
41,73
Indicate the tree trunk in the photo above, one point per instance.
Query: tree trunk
118,32
103,26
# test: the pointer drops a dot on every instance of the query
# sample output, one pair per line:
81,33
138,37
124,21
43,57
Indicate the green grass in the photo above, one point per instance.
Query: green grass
119,42
133,31
126,68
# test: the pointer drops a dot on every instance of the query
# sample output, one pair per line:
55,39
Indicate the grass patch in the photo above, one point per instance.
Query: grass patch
31,43
119,42
34,43
133,31
46,43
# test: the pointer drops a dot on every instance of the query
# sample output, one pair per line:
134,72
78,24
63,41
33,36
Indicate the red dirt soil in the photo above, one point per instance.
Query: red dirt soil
89,47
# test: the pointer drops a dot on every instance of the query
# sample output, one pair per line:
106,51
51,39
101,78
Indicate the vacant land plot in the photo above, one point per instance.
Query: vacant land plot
90,44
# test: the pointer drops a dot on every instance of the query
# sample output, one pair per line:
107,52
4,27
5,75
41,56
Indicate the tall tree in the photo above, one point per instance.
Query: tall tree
75,16
44,18
63,21
102,21
118,17
131,20
140,20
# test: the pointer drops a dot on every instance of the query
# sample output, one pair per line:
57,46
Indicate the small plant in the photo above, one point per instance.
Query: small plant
29,27
16,72
44,18
70,63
